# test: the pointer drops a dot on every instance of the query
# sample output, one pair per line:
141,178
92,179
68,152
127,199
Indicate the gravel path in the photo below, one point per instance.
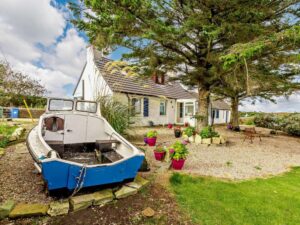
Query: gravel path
236,160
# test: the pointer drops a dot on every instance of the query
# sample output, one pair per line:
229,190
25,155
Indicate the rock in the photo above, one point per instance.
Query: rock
58,208
12,138
6,208
198,139
148,212
103,197
206,141
125,191
185,137
192,139
81,202
138,183
222,140
2,151
216,140
27,210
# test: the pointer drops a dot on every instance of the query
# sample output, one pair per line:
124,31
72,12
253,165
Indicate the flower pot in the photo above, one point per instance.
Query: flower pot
177,133
146,140
159,155
151,141
170,126
177,164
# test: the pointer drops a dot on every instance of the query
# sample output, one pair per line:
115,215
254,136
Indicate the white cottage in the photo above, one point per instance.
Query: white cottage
157,99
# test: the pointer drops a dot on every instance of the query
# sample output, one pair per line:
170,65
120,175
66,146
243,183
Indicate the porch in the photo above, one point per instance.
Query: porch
185,110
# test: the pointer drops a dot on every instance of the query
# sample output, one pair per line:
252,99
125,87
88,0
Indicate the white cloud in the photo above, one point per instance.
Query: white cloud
26,24
292,104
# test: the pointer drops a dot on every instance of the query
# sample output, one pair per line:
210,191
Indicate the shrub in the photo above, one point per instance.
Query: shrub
180,151
152,134
189,131
208,132
116,113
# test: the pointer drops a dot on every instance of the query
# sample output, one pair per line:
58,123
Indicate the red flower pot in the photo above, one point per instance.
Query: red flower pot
151,141
177,164
159,155
170,126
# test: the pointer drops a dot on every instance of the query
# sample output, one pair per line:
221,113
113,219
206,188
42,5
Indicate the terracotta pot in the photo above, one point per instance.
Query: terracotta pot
159,155
177,164
151,141
170,126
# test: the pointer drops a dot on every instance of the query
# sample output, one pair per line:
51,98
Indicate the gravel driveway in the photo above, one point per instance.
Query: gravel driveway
238,160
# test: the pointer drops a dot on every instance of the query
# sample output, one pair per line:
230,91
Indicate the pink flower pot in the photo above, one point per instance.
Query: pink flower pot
177,164
159,155
151,141
170,126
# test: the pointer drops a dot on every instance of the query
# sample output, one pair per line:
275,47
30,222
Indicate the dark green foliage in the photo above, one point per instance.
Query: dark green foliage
208,132
259,201
289,123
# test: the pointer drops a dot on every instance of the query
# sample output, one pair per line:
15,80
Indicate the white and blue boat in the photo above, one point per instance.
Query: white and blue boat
74,147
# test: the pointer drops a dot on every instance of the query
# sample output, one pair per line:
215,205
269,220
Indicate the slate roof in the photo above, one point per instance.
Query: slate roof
119,82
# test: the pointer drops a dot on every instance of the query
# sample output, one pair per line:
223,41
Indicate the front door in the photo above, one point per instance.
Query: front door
189,112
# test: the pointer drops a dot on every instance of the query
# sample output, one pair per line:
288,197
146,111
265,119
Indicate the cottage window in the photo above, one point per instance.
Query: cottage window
162,108
217,114
189,109
135,106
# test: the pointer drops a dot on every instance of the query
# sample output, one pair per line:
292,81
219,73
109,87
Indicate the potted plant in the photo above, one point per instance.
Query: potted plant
170,126
208,134
159,153
186,124
177,132
178,155
190,132
145,139
151,137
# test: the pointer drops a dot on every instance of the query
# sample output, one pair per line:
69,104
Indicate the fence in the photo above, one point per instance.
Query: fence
36,113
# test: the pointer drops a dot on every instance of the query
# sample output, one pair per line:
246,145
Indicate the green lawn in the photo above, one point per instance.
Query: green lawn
262,201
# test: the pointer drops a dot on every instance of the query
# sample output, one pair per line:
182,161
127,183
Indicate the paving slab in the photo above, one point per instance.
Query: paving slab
138,183
6,208
59,208
27,210
125,191
103,197
81,202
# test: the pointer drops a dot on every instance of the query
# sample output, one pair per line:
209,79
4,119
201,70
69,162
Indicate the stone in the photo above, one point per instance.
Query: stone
138,183
6,208
2,151
206,141
27,210
222,140
12,138
103,197
185,137
81,202
148,212
198,139
125,191
58,208
192,139
216,140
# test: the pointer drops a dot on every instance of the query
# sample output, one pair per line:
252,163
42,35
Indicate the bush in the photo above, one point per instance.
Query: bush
289,123
152,134
189,131
208,132
116,113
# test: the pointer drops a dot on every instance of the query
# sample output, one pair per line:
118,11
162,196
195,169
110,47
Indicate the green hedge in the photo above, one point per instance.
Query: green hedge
289,123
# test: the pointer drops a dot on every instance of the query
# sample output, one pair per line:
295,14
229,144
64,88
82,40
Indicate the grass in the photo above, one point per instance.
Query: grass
5,131
261,201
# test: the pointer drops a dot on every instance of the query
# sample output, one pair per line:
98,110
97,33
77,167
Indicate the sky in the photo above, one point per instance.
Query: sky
37,38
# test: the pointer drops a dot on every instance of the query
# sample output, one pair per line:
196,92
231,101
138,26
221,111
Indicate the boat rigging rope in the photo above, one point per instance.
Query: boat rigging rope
80,180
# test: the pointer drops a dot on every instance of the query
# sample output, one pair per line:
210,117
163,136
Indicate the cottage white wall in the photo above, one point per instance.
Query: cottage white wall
154,103
94,84
222,117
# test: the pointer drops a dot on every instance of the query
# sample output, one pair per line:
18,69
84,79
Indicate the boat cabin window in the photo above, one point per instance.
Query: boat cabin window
60,105
84,106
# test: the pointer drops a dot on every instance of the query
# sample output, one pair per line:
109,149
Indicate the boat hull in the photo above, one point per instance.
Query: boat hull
60,174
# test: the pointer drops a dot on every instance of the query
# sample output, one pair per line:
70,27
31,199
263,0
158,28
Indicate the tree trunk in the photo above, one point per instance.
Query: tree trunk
234,120
203,104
